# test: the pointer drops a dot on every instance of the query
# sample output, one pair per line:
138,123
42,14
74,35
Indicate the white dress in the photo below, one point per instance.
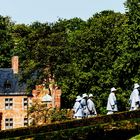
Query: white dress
134,98
78,111
112,102
84,106
91,108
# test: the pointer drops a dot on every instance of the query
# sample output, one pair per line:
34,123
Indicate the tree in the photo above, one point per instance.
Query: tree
127,63
39,113
83,56
6,42
92,49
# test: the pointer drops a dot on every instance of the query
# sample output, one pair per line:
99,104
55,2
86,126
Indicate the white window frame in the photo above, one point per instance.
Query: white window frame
8,103
25,122
8,123
25,103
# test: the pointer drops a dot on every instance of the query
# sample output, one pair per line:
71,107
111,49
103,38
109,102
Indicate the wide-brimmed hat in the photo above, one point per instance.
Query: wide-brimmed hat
90,95
136,85
113,89
78,98
84,95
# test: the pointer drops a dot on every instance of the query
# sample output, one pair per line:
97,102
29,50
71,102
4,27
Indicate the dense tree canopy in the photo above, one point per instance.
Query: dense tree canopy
6,41
83,56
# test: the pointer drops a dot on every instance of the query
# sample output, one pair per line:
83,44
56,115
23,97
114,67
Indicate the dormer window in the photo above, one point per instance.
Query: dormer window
7,84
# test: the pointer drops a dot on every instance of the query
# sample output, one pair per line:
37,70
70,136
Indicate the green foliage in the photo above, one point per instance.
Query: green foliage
58,115
40,113
83,56
126,65
6,42
126,124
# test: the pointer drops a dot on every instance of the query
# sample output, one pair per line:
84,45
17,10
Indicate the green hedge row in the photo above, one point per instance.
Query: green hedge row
69,124
122,130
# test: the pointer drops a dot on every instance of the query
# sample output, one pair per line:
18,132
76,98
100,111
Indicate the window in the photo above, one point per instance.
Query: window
25,121
8,123
25,103
8,103
7,84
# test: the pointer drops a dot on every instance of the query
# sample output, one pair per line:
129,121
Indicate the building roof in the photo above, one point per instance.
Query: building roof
9,83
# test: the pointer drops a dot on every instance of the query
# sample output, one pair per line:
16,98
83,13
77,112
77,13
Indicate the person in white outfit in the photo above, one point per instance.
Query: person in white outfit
112,102
84,104
134,98
77,108
91,106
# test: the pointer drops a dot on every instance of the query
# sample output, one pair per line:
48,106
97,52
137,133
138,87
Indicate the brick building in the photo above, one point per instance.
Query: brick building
50,95
43,101
14,101
13,98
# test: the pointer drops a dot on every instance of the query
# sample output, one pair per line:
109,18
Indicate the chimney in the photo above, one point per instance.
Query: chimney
15,64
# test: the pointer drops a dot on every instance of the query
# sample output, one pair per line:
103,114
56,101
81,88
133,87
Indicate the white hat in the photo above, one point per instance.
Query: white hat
78,98
84,95
113,89
136,85
90,95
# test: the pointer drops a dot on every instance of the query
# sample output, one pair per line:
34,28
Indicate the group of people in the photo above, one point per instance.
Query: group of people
85,107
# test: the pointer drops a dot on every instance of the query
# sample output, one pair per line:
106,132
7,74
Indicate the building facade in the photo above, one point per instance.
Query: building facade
52,96
14,111
13,98
15,102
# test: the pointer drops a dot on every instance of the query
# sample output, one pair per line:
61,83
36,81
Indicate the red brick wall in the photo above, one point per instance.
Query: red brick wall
57,98
40,91
15,64
18,112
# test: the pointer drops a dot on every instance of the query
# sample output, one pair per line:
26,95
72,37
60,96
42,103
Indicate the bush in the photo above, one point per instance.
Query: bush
76,124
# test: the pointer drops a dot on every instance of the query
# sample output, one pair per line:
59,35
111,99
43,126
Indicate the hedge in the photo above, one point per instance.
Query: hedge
122,130
27,131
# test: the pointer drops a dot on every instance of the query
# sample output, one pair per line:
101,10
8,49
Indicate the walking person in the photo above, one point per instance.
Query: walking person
134,98
84,105
91,106
77,108
112,102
